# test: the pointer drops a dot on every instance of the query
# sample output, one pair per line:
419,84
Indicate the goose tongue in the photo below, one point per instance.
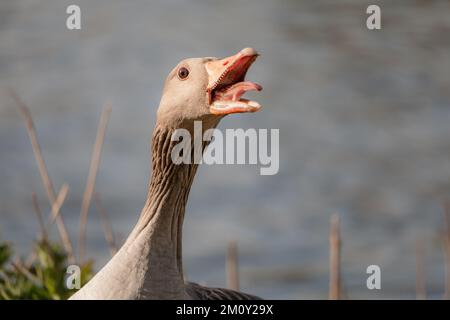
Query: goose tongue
235,91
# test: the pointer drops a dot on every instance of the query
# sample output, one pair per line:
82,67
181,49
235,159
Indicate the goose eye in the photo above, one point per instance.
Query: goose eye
183,73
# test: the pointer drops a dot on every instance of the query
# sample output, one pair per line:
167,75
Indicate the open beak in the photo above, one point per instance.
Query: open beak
226,83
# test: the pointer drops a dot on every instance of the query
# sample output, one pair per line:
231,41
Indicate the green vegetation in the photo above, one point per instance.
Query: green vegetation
41,278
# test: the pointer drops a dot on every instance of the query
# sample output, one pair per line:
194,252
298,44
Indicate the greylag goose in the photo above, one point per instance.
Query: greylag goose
149,264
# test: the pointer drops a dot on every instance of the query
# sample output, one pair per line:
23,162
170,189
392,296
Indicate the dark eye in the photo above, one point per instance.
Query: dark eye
183,73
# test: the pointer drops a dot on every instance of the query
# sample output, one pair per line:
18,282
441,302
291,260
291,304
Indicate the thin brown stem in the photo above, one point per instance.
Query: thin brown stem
31,259
55,211
335,259
90,184
38,212
48,185
19,266
106,225
56,207
232,266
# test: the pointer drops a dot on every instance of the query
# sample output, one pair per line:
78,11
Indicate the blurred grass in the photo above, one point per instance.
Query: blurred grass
44,278
43,275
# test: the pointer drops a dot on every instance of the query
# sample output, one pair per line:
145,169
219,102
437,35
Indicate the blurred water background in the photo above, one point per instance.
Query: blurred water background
364,119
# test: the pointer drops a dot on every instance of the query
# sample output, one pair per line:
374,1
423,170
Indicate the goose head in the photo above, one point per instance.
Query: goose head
207,89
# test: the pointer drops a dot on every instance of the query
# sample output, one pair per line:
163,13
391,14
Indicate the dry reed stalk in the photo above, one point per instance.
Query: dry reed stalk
93,168
31,259
232,266
421,293
106,225
48,185
335,259
38,212
56,207
19,266
55,211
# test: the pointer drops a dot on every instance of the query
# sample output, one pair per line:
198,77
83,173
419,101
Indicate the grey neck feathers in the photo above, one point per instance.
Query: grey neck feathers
161,220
